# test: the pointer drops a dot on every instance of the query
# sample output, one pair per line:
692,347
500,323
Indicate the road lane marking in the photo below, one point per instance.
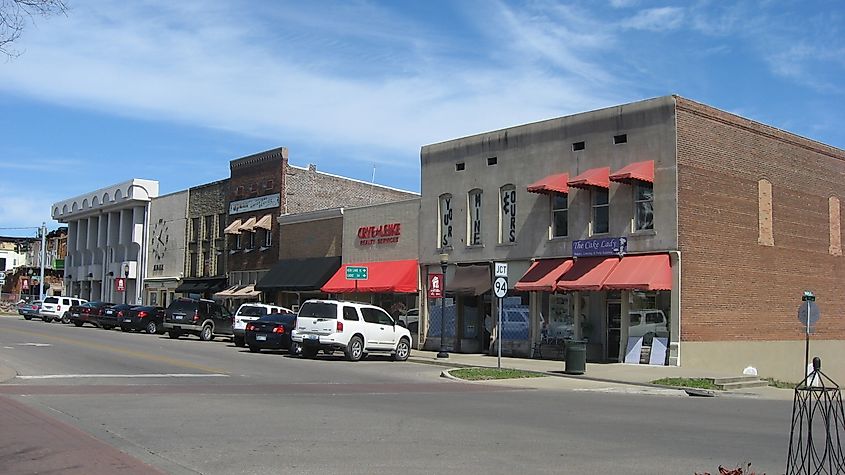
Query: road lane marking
34,344
153,375
121,351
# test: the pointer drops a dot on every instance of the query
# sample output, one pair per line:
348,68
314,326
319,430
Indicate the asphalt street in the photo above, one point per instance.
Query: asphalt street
186,406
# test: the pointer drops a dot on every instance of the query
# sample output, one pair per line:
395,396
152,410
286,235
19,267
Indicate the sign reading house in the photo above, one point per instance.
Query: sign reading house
255,204
381,234
613,246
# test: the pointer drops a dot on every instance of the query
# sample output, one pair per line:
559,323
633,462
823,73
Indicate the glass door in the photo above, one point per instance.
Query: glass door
614,326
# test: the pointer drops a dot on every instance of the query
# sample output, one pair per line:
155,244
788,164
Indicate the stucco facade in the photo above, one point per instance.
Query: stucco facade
167,243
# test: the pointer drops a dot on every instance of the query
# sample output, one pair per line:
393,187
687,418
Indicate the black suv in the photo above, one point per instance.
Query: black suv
201,317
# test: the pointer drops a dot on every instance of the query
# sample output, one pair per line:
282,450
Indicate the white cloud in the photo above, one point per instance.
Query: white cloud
656,19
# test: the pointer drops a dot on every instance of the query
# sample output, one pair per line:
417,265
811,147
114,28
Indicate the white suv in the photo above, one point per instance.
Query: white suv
57,307
352,327
249,312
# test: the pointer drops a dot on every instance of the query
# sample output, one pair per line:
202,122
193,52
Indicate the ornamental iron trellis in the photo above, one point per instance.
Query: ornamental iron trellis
818,427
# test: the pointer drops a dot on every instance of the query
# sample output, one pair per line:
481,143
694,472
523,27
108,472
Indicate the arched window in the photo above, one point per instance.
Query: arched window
507,214
446,221
766,235
835,230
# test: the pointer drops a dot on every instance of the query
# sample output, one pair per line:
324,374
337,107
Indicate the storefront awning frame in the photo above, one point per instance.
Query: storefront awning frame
594,177
397,277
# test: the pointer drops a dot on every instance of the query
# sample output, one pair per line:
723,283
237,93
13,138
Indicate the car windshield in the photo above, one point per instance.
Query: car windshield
51,300
318,310
144,309
283,318
93,304
183,306
252,311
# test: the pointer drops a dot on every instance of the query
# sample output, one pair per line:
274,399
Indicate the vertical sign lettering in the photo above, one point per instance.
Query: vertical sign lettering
445,221
507,227
474,238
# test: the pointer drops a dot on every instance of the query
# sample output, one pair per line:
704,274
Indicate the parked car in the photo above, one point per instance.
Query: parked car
57,308
144,318
29,309
88,312
201,317
249,312
648,321
110,317
352,327
272,332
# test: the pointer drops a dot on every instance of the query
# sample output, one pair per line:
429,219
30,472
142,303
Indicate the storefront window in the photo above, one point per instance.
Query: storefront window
559,322
648,327
445,223
643,207
474,217
507,214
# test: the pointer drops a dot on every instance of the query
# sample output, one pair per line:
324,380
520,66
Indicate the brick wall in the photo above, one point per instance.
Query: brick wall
733,287
322,238
207,200
307,189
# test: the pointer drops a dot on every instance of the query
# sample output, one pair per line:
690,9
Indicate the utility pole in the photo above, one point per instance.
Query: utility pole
43,231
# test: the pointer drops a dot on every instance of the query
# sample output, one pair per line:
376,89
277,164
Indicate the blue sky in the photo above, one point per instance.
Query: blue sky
172,91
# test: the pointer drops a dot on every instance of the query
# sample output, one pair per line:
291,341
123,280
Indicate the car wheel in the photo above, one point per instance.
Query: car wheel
124,329
309,352
78,324
206,334
294,349
238,340
173,334
254,349
46,319
152,328
355,349
403,350
27,317
65,318
328,351
108,327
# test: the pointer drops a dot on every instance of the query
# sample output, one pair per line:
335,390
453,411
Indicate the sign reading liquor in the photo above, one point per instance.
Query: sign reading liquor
382,234
120,284
615,246
435,286
255,204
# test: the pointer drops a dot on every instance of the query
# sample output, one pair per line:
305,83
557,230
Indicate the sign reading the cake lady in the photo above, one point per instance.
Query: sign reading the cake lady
615,246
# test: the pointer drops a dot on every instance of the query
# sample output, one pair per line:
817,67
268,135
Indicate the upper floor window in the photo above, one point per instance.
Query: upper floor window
560,215
268,238
601,211
474,217
195,229
194,263
250,240
643,206
444,228
507,214
221,225
208,229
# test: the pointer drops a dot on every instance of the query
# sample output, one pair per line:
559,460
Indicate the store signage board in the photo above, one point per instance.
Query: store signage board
120,284
435,286
381,234
356,272
612,246
255,204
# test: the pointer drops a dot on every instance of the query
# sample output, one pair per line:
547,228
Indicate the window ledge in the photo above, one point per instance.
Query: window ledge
560,238
506,244
444,249
248,250
234,251
644,233
475,246
264,248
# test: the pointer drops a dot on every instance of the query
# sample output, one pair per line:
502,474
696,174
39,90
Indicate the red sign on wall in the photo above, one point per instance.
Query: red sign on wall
382,234
24,284
435,286
120,284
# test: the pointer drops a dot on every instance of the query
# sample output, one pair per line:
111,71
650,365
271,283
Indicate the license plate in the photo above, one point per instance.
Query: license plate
313,337
178,317
261,337
74,314
127,320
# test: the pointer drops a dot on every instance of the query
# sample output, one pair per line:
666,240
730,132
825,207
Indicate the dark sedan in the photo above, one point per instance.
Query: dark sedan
29,309
88,312
270,332
146,318
111,317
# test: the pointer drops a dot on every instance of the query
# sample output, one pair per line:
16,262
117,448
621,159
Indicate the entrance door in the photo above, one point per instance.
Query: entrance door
614,329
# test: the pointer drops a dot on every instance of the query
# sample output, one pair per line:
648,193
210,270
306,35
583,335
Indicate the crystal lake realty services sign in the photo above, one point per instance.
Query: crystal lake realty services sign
612,246
381,234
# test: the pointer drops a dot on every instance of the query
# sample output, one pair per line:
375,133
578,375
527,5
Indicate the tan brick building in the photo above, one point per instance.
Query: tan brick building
662,231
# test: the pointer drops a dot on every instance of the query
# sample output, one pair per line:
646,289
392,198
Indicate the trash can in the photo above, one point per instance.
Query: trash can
576,357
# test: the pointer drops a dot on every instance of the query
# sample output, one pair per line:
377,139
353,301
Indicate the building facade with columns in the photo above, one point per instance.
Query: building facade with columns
107,236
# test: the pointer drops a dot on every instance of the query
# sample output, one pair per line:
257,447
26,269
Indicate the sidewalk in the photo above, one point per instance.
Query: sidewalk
613,373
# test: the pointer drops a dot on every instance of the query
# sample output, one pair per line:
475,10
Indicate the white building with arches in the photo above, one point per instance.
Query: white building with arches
107,231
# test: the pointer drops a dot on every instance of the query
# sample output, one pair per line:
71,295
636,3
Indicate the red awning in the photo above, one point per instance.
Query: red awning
543,275
639,171
598,177
551,184
397,277
641,272
588,273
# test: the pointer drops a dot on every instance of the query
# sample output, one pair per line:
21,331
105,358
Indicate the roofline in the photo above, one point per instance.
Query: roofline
355,180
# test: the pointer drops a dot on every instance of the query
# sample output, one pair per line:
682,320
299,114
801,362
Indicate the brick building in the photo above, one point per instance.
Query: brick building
663,231
264,187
